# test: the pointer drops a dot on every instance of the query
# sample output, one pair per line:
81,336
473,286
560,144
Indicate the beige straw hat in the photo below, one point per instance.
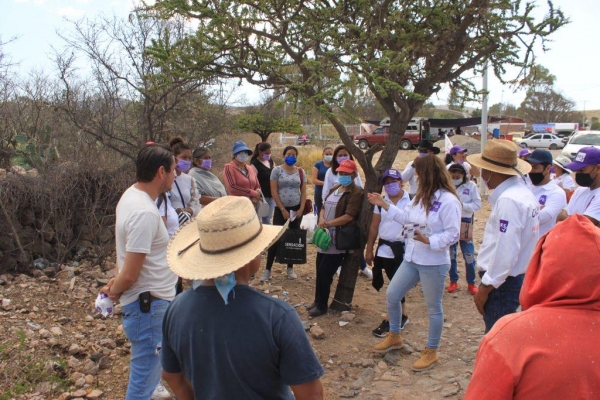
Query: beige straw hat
500,156
226,236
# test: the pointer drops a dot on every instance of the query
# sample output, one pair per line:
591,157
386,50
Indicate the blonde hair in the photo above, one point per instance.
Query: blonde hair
432,176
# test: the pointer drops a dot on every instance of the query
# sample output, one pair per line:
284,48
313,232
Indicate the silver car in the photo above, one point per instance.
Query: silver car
542,140
579,140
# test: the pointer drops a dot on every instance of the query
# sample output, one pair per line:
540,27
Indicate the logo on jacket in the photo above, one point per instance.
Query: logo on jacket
542,199
436,206
503,225
466,191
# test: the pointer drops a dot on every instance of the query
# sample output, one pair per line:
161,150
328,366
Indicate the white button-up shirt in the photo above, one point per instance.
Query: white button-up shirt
552,200
469,197
586,202
511,232
409,175
565,181
443,228
389,229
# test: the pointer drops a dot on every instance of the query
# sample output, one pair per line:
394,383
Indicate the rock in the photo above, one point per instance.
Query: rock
365,378
90,368
33,172
407,349
6,304
89,379
348,393
392,357
89,318
94,394
80,382
449,390
463,383
448,325
74,349
348,317
343,323
382,365
79,393
56,331
317,333
45,334
108,343
101,281
389,377
367,362
73,363
104,363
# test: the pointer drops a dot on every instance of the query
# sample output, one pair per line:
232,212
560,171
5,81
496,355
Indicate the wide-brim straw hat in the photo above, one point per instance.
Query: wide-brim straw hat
225,236
500,156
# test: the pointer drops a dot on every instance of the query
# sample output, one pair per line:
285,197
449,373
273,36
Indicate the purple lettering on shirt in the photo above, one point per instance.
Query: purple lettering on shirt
466,191
542,199
436,206
503,225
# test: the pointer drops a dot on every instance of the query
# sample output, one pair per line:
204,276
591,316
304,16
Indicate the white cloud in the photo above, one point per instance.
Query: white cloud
82,1
70,12
39,2
20,1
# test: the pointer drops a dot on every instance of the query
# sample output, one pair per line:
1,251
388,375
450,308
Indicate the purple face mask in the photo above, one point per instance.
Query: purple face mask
266,157
392,188
423,155
206,163
184,165
342,158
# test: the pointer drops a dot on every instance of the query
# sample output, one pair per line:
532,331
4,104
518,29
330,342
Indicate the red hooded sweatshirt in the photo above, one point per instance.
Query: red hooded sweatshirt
551,350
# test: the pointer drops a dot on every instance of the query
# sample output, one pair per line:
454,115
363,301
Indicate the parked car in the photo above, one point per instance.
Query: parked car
579,140
410,139
567,138
516,135
542,140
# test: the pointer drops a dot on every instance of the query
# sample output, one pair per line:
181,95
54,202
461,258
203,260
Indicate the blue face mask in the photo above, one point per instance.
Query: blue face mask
344,180
224,284
290,160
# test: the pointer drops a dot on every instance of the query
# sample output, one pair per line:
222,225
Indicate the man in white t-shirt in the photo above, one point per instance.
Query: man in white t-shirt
552,199
586,199
144,283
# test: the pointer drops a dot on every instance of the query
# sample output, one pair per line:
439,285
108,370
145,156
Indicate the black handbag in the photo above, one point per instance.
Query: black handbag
347,237
291,248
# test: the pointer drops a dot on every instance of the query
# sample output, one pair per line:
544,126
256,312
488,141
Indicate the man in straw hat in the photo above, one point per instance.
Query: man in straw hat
223,339
144,283
547,351
510,234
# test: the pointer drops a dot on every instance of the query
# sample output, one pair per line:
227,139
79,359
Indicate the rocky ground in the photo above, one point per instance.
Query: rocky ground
55,345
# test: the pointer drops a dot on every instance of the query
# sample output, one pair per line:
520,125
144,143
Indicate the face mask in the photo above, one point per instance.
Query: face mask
342,158
423,155
457,182
585,180
536,177
266,157
224,285
487,182
242,157
206,163
184,165
328,158
392,189
344,180
290,160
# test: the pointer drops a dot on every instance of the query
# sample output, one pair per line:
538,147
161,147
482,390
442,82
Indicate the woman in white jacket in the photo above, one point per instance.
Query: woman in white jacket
431,225
471,201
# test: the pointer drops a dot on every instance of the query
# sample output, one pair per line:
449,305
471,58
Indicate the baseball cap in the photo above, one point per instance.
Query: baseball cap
524,152
457,149
585,156
540,156
392,173
347,166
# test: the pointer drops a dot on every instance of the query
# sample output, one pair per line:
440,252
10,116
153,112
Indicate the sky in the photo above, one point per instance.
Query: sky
572,57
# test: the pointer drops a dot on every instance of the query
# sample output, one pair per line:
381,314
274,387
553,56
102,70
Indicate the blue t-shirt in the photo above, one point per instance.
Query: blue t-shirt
253,348
322,168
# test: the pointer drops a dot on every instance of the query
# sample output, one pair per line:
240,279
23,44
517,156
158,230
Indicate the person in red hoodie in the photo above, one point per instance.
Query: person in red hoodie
550,350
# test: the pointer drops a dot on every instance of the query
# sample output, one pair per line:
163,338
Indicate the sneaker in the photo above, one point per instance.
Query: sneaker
316,312
160,392
291,274
428,358
472,289
367,273
382,330
403,322
452,287
265,276
392,341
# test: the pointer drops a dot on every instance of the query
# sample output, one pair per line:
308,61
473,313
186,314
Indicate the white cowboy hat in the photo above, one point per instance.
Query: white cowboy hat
500,156
225,236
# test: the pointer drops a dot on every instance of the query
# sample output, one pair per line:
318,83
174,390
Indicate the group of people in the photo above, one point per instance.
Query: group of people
418,236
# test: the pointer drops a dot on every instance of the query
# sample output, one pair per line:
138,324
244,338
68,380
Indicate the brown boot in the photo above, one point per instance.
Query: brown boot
428,358
392,341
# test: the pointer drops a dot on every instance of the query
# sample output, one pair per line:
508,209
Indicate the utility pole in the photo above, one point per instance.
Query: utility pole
484,121
584,128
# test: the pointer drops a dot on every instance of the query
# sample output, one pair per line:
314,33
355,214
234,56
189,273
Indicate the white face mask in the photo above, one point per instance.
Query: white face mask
328,158
457,182
242,157
487,182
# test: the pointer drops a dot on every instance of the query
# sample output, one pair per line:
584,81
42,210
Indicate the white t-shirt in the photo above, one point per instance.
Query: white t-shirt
165,208
586,202
470,198
140,229
331,180
389,229
409,175
565,181
553,200
191,197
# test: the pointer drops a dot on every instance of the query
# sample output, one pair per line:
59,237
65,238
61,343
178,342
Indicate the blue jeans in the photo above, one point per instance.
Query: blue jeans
144,331
267,220
502,301
468,250
432,278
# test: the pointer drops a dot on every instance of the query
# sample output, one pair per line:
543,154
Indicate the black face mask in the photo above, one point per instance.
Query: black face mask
536,177
584,180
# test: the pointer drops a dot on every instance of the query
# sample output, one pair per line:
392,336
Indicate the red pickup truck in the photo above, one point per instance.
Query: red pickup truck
411,138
